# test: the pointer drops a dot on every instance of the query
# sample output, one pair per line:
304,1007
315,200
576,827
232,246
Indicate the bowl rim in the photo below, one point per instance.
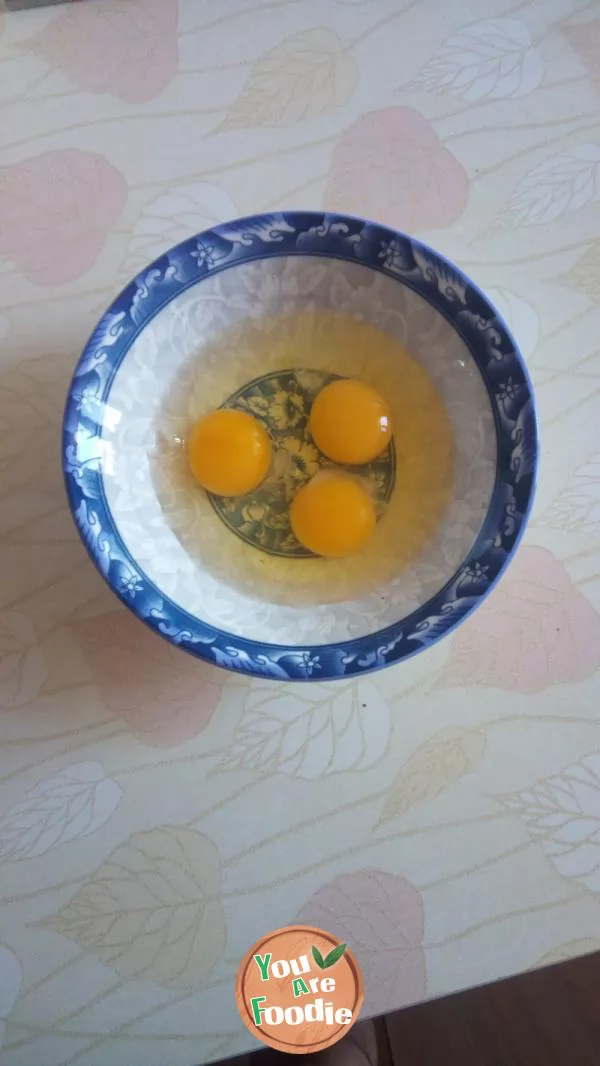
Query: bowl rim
398,256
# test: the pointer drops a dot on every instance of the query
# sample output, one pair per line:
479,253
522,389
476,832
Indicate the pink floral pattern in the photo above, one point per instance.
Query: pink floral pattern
55,212
380,916
585,39
165,696
390,165
535,630
127,49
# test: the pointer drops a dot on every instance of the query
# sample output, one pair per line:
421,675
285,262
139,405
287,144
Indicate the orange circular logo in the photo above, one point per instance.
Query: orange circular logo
299,990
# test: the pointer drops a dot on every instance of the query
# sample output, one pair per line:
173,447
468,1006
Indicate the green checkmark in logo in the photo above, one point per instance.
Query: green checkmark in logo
330,959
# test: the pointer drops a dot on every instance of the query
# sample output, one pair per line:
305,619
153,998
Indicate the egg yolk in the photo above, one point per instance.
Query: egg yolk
229,452
332,515
350,422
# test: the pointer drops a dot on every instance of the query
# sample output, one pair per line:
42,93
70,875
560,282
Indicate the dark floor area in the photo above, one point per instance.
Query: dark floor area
550,1017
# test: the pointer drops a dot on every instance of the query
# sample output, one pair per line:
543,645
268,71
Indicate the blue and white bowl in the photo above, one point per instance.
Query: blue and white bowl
265,265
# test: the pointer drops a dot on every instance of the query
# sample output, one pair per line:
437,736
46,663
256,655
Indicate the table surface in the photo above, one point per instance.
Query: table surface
156,815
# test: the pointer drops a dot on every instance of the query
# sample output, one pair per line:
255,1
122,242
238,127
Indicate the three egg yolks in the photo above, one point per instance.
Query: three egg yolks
230,453
332,515
350,422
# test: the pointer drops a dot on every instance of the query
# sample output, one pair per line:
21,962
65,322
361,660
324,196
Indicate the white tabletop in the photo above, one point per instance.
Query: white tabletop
157,816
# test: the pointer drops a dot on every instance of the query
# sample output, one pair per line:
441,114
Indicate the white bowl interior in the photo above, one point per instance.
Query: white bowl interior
175,355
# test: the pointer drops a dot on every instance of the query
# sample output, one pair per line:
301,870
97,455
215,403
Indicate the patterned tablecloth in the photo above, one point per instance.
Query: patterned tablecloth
157,815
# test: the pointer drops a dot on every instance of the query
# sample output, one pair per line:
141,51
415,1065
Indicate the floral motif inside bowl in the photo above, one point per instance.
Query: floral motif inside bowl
156,360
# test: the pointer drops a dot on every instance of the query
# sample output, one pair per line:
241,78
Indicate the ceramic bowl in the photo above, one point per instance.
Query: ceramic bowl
140,530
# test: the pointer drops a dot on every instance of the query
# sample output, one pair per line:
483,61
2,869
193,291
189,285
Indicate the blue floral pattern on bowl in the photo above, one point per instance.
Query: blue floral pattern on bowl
343,238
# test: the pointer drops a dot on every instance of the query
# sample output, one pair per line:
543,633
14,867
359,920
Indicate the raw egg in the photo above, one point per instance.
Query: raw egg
229,452
332,515
350,422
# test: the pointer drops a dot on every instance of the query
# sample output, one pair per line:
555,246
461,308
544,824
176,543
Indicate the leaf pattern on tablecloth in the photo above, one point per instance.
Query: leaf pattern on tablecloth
172,216
563,813
560,185
533,631
32,394
390,165
31,399
435,765
310,731
11,978
578,506
585,275
304,75
585,39
572,950
380,916
70,804
521,318
492,60
152,910
128,50
56,209
165,697
22,665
